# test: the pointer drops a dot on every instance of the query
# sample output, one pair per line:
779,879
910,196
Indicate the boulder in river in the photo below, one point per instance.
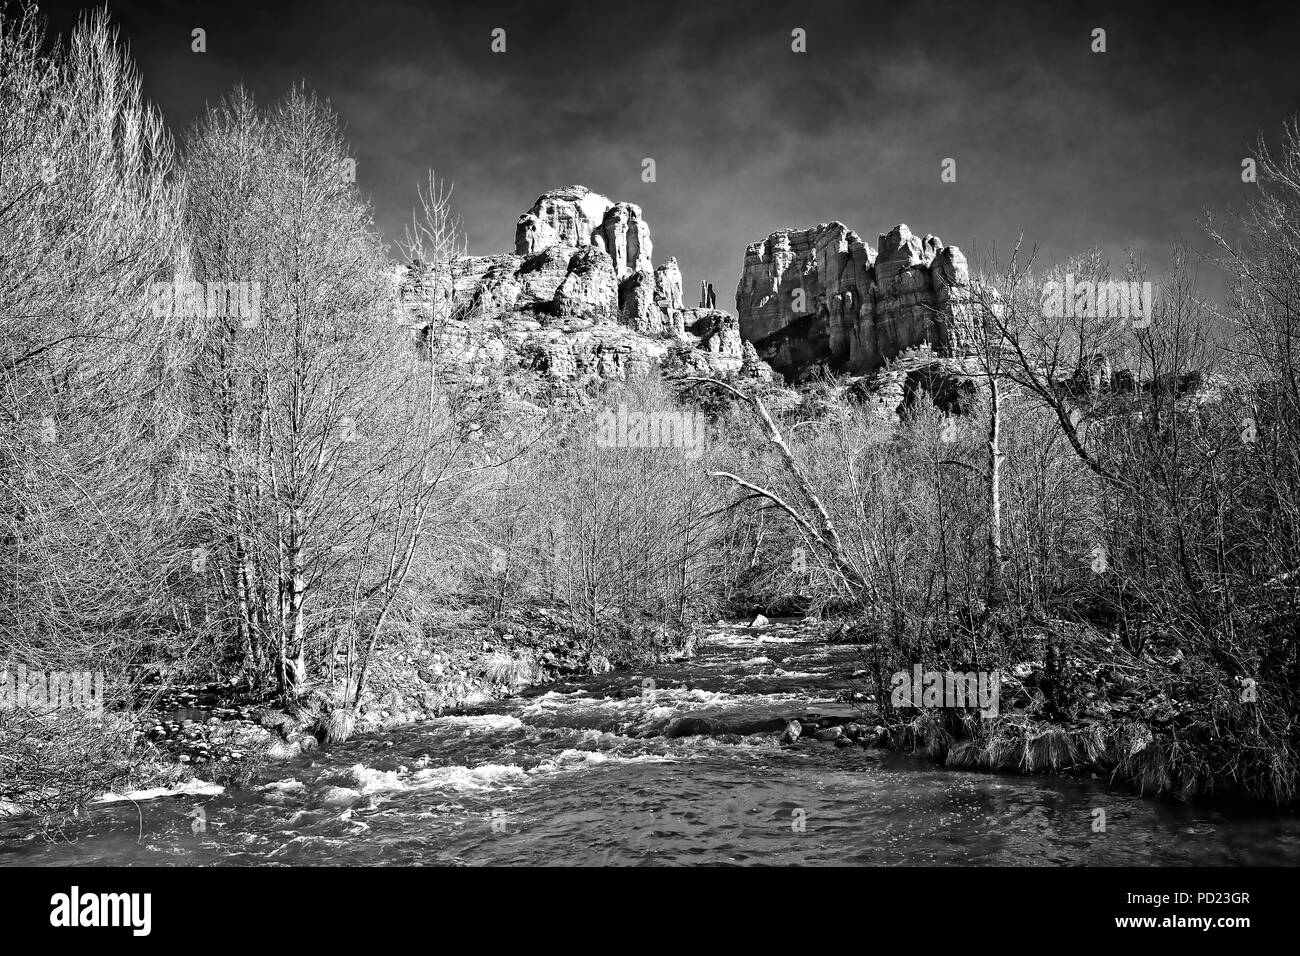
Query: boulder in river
759,621
691,725
791,733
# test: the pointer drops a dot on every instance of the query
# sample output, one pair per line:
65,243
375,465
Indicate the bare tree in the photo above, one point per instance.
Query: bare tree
87,414
301,383
89,417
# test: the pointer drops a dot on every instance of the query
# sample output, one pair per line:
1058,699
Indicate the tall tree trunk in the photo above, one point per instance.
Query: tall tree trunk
245,623
994,581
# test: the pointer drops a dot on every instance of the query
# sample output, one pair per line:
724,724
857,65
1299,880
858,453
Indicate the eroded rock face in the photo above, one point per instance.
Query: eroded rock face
668,283
718,332
569,216
637,307
921,376
818,297
576,217
627,238
590,283
579,299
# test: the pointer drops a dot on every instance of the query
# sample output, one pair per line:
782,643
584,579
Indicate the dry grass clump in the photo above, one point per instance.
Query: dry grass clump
335,726
1125,752
511,671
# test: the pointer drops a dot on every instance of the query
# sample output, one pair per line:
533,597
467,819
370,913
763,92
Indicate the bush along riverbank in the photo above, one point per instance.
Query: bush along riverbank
1078,700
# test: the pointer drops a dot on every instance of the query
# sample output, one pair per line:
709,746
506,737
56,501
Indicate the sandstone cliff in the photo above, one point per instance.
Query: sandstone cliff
818,297
579,299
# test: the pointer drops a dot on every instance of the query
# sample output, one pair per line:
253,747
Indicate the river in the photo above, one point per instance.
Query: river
580,774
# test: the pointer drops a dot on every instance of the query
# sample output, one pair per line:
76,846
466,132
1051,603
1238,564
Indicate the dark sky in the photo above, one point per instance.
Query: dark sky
1074,149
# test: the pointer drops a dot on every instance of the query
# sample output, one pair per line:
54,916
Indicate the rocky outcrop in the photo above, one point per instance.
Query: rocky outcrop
580,299
570,216
822,297
575,217
590,283
668,286
954,385
637,307
718,332
627,238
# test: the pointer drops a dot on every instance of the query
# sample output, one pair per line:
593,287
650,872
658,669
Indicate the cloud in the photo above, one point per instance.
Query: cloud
1073,149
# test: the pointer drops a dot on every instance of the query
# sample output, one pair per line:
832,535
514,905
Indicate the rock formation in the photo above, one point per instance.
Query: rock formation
668,286
580,299
574,217
822,297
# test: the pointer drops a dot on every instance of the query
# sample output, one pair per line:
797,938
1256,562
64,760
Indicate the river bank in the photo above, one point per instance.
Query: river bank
225,732
220,735
589,770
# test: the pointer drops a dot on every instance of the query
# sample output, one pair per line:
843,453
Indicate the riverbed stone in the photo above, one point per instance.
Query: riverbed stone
717,725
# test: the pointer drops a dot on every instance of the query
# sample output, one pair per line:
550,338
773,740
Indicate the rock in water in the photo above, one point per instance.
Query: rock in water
717,725
759,621
791,733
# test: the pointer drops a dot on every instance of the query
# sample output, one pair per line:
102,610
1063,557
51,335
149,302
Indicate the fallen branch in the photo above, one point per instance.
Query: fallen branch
826,536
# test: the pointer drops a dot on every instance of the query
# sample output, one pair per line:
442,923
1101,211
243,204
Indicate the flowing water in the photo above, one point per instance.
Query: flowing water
581,774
